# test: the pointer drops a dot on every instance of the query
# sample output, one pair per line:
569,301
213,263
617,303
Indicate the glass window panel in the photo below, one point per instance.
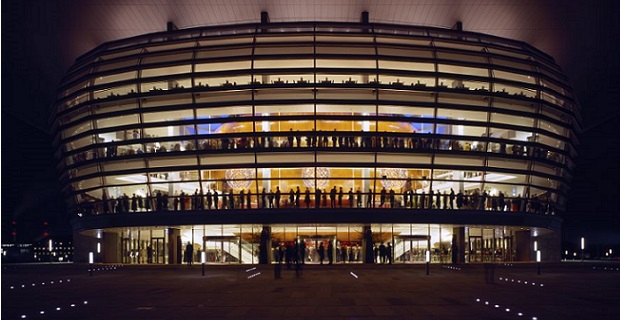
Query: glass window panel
460,160
285,158
328,78
168,116
181,160
219,159
512,120
328,125
346,63
284,38
148,59
406,96
406,65
417,112
461,130
215,41
346,38
462,84
87,184
348,50
522,65
167,100
115,91
456,45
105,66
164,71
340,157
223,112
114,106
109,166
223,81
103,79
462,57
444,113
85,170
517,164
296,109
283,50
508,104
470,71
552,98
226,96
402,40
282,94
405,81
394,126
550,141
174,46
228,52
281,78
552,127
223,66
117,121
513,90
77,129
405,52
168,131
462,99
510,134
514,76
345,94
283,63
508,53
124,179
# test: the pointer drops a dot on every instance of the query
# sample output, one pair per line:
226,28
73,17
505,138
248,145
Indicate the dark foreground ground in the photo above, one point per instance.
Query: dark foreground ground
562,291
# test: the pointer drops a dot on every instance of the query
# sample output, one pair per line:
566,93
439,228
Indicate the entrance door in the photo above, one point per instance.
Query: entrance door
159,250
475,249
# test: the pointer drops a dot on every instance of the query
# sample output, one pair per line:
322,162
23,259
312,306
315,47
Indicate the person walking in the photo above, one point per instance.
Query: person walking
321,251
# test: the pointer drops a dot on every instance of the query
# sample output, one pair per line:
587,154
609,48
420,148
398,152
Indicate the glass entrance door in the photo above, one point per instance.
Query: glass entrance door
159,250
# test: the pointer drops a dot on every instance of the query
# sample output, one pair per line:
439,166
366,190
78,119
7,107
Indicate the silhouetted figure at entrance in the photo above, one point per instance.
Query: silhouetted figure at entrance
149,254
330,252
189,253
382,253
321,251
388,253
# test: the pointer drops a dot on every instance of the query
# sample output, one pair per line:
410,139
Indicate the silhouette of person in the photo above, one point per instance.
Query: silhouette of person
189,253
382,252
382,197
330,252
388,252
392,198
351,198
149,254
340,194
278,196
321,251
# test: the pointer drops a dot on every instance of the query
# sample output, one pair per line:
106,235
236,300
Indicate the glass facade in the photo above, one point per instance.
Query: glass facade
316,116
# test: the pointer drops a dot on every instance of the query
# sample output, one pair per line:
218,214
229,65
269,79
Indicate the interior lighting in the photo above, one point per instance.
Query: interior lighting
322,174
239,178
394,178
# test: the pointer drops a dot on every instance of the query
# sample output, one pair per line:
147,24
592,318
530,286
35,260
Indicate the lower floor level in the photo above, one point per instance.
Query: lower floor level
317,243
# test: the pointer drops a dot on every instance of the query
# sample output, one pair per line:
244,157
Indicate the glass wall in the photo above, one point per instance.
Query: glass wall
320,118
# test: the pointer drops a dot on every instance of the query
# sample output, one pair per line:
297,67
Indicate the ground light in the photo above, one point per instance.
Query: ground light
203,258
90,263
538,260
583,246
428,261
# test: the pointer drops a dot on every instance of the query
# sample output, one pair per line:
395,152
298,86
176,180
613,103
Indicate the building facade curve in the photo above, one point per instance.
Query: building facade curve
242,139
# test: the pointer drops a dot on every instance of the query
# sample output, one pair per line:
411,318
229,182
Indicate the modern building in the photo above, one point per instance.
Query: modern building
332,137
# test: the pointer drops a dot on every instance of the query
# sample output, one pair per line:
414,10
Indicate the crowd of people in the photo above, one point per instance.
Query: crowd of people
335,198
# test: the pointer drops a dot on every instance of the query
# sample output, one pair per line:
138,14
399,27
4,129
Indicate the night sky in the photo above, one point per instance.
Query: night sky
31,192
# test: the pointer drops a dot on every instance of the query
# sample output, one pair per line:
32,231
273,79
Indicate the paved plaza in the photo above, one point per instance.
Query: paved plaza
67,291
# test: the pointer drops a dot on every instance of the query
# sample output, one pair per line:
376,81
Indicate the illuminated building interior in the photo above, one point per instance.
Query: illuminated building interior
412,122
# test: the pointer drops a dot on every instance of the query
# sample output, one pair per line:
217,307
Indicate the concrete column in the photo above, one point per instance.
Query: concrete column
458,245
174,246
367,246
523,245
264,248
110,248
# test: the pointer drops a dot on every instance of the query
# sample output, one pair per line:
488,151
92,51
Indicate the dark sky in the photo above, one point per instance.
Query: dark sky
31,193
